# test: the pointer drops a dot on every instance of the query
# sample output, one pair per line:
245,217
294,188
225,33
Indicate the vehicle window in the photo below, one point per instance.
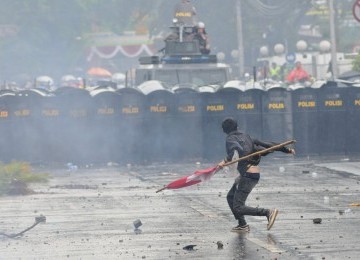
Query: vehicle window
142,76
206,77
199,77
167,76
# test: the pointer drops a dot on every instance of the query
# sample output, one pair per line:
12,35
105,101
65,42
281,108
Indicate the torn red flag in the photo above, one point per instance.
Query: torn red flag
195,178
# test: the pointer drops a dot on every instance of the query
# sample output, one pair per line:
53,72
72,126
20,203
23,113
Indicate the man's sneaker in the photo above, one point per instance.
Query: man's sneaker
271,218
241,229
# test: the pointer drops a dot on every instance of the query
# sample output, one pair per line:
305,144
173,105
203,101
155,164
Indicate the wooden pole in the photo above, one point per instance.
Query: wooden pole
272,148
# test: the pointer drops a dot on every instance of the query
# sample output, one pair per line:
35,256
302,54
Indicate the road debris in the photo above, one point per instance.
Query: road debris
317,220
354,205
189,247
38,220
137,223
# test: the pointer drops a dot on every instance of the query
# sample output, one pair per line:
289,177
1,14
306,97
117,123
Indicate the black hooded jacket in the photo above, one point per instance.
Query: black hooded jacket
244,145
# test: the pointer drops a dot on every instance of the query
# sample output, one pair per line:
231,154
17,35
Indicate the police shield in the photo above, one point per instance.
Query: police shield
250,107
277,116
231,97
352,120
6,125
305,121
185,13
51,129
332,130
27,139
105,117
159,140
213,113
74,105
131,130
245,107
188,125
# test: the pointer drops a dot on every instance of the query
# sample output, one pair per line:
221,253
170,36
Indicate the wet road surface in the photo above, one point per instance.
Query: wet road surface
90,214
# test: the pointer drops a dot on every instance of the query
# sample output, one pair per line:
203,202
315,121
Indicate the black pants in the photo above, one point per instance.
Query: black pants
237,196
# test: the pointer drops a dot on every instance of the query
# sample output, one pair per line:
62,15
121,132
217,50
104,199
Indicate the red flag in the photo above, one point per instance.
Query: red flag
206,174
195,178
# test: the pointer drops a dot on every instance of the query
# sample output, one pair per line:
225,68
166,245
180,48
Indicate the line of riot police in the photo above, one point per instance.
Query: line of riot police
128,126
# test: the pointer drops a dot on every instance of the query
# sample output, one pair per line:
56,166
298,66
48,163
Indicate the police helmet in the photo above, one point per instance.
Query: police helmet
201,25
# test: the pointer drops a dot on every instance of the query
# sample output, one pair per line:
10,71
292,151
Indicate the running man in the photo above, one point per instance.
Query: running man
240,144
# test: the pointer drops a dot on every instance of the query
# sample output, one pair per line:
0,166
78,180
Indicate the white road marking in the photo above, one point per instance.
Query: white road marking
267,246
350,167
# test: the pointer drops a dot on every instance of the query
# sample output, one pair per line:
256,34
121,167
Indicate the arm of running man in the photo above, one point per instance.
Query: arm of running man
261,145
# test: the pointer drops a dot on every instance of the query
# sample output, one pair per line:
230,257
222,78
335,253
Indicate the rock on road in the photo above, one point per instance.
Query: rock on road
90,214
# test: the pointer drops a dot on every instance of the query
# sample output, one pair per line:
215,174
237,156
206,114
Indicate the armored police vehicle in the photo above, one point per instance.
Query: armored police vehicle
182,63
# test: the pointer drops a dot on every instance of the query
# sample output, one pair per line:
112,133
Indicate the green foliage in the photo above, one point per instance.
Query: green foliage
356,63
20,171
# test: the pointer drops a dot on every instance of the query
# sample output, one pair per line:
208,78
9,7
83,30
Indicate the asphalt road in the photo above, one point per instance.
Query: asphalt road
90,214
